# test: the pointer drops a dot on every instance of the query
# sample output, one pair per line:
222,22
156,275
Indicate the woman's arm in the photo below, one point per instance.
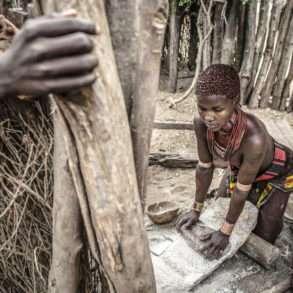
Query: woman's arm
204,175
253,157
205,168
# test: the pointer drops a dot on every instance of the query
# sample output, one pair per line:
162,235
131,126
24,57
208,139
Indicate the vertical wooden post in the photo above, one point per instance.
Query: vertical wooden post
100,153
153,21
174,34
123,19
248,55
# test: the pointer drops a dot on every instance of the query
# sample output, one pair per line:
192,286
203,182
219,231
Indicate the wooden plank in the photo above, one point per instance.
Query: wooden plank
261,251
169,160
170,125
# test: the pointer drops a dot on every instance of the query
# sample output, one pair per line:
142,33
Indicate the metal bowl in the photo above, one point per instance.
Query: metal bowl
162,212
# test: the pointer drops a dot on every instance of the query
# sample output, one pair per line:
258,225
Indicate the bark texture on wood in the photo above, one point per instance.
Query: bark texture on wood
153,20
218,33
241,26
247,63
266,92
174,35
105,173
277,8
192,50
261,251
173,125
286,94
278,101
228,49
207,28
264,16
173,160
67,222
200,31
122,17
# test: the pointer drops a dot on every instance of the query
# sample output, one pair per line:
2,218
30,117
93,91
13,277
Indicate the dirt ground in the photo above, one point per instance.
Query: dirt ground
240,274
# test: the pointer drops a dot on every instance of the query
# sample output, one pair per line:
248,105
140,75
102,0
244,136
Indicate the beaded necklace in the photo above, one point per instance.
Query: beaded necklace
238,120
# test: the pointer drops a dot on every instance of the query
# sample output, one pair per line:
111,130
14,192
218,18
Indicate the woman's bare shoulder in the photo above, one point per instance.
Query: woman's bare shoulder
256,132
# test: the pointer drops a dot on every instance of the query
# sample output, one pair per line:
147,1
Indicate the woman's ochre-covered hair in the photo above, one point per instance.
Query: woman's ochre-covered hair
218,79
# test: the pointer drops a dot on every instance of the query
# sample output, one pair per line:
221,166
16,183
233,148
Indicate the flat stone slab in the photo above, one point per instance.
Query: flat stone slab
178,265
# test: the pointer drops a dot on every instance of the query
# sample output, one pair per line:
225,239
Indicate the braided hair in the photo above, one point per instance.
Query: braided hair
219,79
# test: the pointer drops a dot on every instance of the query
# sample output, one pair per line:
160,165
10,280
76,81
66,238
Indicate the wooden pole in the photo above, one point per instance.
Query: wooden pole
218,33
173,46
228,48
273,75
123,18
192,49
256,99
152,27
102,166
284,71
261,251
248,55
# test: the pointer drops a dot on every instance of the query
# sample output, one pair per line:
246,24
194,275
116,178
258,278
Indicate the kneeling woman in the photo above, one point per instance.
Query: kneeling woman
261,170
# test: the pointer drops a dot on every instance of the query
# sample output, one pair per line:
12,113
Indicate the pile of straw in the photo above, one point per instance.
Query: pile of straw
26,181
26,198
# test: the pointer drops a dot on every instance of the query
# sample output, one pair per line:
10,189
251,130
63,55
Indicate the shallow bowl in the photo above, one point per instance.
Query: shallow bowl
162,212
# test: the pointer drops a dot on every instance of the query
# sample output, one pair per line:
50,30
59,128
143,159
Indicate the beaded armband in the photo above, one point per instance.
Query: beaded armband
205,165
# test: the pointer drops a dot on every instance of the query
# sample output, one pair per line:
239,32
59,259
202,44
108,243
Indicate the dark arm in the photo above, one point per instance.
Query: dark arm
252,161
253,158
205,168
204,175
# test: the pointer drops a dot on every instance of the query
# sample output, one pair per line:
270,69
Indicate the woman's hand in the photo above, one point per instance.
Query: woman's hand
187,220
216,244
49,54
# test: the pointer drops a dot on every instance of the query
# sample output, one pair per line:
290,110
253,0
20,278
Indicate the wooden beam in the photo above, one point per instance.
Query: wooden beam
261,251
100,160
169,160
170,125
152,23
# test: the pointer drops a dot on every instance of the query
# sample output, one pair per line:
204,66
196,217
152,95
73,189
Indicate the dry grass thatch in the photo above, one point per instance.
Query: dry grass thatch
26,198
26,180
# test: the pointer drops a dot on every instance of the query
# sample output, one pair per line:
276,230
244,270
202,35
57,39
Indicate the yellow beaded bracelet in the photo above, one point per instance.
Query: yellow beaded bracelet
24,97
197,206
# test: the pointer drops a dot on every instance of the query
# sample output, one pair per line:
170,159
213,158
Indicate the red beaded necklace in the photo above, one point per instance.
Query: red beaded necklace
238,120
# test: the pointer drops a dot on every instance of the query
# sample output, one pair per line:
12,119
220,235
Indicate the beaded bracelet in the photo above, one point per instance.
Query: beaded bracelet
197,206
227,228
24,97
